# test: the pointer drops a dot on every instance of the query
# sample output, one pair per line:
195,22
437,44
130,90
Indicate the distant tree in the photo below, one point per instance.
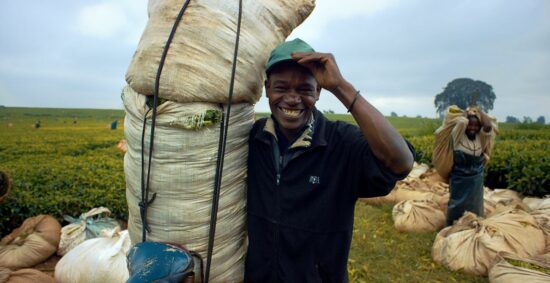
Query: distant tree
527,120
393,114
418,116
328,111
541,120
465,92
511,119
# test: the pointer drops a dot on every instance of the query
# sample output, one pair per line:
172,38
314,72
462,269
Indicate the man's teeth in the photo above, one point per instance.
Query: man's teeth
293,113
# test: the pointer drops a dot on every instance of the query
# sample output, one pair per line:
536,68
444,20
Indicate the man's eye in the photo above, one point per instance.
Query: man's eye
280,89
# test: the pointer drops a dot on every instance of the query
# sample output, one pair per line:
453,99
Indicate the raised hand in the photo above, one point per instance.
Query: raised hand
323,67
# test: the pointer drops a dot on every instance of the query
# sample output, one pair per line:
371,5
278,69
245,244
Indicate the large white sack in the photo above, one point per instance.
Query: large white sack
198,64
182,176
473,242
96,260
418,216
530,271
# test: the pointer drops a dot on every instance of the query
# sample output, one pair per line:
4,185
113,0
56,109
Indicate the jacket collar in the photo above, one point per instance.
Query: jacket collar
312,136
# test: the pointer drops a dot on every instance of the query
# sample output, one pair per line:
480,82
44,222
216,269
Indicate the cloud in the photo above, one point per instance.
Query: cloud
327,11
109,19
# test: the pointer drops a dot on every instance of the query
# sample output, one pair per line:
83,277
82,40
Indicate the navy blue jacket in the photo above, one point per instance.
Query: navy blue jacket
301,205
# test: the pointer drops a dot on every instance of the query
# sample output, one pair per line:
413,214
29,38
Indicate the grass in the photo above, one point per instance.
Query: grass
381,254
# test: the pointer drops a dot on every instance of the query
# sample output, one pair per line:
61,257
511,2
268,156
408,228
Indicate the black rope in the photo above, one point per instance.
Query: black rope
145,202
143,209
224,125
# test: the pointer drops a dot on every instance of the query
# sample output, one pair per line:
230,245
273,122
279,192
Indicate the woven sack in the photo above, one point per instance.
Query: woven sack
25,275
473,242
530,270
182,176
418,216
30,244
198,63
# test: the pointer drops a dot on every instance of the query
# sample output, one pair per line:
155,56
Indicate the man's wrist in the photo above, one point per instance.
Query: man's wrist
345,92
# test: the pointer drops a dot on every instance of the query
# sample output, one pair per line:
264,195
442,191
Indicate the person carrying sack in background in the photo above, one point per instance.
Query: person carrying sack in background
305,172
463,147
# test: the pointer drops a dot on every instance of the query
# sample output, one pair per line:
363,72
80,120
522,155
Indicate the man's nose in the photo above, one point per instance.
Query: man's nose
292,97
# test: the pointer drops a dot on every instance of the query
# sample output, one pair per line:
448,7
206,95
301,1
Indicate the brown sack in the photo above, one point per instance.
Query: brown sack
198,63
473,242
418,216
398,195
24,276
442,156
30,244
506,270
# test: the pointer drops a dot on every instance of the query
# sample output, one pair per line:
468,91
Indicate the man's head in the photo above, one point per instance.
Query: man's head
474,126
291,88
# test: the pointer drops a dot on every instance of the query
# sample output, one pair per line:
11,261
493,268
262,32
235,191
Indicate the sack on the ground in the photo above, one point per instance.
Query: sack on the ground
473,242
30,244
89,225
182,177
418,216
397,195
505,197
540,209
431,176
101,259
25,275
418,170
511,268
198,63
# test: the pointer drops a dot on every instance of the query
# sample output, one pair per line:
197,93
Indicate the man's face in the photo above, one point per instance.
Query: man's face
292,92
473,127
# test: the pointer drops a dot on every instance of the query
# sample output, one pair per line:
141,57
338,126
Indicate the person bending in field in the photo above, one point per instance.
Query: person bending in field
463,146
305,172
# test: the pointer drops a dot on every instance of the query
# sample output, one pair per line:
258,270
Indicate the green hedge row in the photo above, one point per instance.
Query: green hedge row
61,171
65,169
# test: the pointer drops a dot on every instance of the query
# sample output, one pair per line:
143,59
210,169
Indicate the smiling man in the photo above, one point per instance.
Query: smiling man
305,172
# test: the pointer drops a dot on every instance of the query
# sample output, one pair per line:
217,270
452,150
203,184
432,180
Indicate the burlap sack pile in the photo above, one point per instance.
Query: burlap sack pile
421,184
540,209
473,242
418,216
510,268
25,275
32,243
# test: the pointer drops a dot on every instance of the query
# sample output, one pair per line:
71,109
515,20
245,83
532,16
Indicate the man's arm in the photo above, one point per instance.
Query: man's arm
386,143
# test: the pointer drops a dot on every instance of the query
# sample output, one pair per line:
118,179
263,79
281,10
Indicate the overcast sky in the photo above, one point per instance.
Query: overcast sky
399,53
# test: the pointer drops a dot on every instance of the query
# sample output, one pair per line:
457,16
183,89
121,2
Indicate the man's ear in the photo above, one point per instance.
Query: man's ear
318,92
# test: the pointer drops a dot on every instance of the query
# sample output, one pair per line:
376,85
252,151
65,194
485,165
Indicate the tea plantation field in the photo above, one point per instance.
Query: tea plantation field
71,164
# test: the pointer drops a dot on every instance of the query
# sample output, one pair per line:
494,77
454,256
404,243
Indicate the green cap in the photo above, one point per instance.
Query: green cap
284,50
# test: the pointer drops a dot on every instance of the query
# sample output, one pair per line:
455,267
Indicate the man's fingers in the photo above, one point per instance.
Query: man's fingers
306,57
